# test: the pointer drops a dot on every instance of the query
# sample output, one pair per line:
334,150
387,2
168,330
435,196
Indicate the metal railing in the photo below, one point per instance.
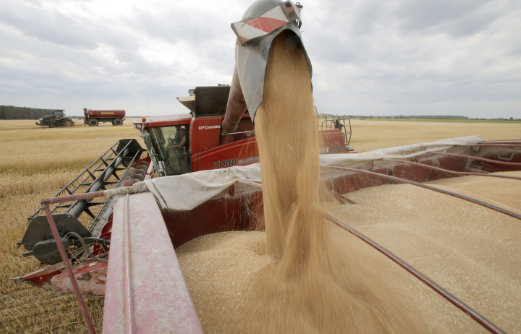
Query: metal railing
342,123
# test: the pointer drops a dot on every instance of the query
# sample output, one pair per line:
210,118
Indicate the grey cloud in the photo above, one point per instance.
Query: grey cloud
368,16
332,46
368,56
456,18
208,33
52,27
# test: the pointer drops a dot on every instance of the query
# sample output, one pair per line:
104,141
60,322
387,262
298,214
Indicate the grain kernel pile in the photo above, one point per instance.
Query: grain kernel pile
472,251
297,277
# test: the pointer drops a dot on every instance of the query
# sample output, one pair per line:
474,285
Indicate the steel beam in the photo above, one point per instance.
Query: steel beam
451,171
421,185
145,291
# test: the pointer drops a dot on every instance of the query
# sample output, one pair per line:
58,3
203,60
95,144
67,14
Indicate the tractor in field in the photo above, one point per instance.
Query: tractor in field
58,118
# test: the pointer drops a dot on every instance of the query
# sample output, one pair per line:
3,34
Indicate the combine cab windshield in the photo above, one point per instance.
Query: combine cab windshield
170,144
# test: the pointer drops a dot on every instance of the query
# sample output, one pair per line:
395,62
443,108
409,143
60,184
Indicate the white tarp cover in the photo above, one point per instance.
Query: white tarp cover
187,191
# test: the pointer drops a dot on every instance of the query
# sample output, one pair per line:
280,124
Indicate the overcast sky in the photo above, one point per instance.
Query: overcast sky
370,57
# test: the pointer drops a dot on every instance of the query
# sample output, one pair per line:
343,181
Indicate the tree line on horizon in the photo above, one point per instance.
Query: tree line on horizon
409,117
12,112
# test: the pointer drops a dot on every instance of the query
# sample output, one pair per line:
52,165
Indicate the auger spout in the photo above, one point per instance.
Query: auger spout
261,23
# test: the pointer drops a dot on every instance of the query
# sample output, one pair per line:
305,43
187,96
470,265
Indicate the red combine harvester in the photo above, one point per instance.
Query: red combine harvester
94,117
138,286
208,182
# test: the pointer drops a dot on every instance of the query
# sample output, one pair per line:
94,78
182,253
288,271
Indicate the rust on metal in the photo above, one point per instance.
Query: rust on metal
453,172
65,260
91,278
446,192
85,277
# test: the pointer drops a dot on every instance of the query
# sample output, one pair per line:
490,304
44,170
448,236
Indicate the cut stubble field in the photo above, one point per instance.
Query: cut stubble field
37,162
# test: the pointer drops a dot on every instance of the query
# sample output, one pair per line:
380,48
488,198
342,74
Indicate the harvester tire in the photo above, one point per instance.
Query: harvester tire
68,123
52,125
93,122
117,122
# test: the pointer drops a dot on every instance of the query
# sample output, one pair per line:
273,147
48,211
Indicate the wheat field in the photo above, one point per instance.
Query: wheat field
37,162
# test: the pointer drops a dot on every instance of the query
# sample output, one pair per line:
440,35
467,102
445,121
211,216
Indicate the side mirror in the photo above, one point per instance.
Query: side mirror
148,142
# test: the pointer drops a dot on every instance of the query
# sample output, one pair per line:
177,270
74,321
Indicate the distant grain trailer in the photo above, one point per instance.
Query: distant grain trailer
93,117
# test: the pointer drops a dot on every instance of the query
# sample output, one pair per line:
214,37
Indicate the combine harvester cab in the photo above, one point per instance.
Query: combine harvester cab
201,129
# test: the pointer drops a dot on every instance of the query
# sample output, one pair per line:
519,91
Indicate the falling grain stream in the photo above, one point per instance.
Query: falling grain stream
304,274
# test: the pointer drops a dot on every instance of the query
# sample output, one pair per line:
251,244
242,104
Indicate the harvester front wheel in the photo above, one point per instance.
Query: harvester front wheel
93,122
117,122
68,123
52,125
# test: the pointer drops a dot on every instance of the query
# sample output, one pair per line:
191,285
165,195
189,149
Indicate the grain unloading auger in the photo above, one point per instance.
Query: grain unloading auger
138,272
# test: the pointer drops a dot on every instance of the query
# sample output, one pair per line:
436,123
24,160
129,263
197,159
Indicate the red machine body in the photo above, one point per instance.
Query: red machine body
201,148
203,140
94,117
